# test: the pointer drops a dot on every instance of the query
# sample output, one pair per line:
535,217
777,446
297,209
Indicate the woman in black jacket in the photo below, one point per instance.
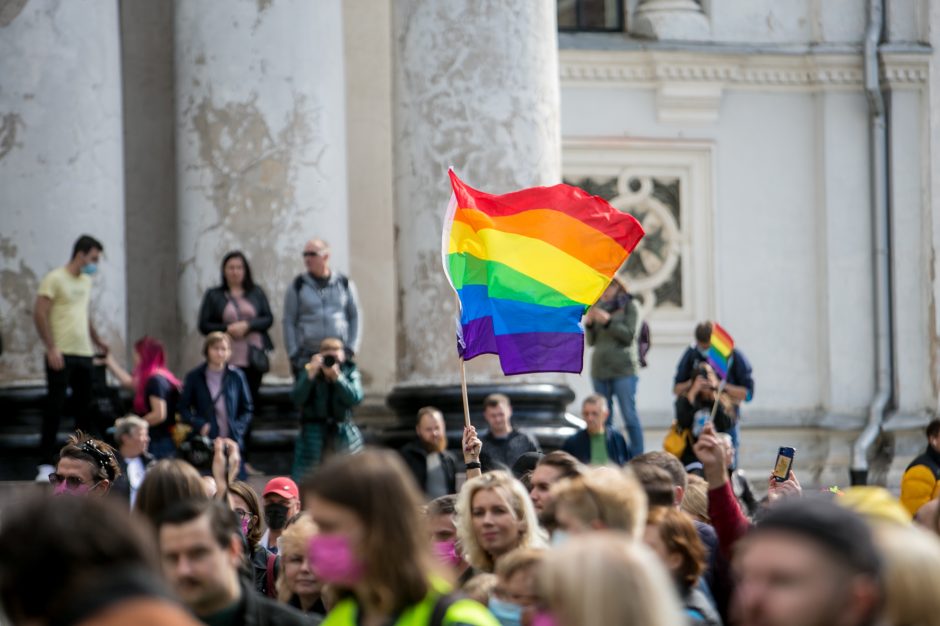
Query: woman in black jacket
240,308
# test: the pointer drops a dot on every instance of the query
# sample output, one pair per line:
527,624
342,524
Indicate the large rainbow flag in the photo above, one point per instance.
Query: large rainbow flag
526,266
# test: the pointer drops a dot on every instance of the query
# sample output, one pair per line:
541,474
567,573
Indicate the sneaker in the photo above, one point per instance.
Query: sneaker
44,471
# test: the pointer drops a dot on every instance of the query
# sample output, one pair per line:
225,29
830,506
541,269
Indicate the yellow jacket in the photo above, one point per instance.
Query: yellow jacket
921,481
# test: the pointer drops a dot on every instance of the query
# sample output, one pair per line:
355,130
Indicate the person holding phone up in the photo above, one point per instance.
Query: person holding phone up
327,389
698,405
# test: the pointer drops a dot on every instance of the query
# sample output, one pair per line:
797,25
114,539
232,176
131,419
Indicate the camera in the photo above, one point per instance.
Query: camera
700,370
197,450
329,360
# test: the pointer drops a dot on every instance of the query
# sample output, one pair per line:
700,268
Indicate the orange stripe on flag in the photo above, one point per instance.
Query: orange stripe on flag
562,231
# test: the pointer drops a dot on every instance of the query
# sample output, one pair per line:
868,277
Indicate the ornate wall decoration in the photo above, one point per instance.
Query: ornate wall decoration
667,187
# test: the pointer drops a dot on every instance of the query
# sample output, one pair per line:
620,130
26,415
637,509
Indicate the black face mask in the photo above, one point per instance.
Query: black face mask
275,516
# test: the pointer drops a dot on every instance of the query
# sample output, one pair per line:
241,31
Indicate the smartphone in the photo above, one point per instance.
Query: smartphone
701,418
784,464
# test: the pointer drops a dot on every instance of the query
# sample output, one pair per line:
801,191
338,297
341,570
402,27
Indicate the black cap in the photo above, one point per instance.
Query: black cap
841,531
525,464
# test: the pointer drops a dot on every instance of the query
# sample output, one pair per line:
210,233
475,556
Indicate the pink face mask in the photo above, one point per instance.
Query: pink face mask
333,561
544,618
446,553
245,521
62,489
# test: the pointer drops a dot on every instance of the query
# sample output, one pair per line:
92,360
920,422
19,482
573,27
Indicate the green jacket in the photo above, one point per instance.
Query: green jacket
616,353
318,401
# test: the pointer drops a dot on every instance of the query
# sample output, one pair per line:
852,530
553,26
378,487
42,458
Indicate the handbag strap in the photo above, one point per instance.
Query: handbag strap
238,313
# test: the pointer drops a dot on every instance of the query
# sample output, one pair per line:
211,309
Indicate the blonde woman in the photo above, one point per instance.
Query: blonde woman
912,574
297,585
603,578
494,517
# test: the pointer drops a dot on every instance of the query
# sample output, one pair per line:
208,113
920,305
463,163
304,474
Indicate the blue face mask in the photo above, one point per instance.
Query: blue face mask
559,537
507,613
90,268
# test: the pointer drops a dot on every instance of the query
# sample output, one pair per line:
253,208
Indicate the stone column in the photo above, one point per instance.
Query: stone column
476,87
260,134
681,20
60,165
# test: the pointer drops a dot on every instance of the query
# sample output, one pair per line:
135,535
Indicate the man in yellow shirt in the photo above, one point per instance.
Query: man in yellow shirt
69,337
921,481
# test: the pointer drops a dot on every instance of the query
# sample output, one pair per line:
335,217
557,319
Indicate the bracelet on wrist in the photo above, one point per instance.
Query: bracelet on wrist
472,465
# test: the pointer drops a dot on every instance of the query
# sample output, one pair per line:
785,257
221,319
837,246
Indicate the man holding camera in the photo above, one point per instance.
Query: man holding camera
327,389
739,386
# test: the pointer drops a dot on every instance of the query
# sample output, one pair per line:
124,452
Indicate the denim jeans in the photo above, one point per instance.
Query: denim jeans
625,390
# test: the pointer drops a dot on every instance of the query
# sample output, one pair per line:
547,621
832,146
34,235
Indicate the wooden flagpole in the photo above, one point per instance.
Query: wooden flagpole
721,387
463,374
463,389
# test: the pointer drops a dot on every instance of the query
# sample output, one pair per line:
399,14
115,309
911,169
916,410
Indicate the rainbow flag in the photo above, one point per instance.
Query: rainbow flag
526,266
719,352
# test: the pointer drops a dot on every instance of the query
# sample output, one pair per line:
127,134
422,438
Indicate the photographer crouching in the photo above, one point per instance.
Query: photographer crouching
327,389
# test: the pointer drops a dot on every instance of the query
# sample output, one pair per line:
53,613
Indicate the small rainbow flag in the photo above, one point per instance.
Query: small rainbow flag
719,353
526,266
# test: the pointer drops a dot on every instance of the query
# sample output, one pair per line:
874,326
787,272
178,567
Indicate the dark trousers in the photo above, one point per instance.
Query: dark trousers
76,375
254,384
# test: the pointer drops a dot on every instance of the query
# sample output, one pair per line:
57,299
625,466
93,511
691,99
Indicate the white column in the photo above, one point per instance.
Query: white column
61,164
681,20
476,87
261,154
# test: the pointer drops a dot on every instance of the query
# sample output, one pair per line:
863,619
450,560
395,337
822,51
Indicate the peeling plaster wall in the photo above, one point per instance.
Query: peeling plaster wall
150,172
476,87
60,165
261,154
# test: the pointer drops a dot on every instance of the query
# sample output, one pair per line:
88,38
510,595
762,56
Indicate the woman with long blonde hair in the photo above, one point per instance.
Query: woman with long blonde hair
494,517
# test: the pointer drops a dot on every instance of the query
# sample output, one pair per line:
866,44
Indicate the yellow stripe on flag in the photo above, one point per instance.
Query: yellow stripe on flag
532,257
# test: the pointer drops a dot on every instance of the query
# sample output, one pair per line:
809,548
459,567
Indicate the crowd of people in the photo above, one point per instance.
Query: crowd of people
600,531
122,538
216,398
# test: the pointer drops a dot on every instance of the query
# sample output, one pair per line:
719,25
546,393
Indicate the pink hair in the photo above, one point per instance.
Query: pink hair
152,361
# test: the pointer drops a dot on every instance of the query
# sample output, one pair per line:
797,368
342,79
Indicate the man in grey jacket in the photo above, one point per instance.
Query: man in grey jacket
319,303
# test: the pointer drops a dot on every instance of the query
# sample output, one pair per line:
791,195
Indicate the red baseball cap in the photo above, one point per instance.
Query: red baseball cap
282,486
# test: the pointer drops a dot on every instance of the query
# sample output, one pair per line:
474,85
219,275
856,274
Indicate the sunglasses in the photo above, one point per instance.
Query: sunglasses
71,482
313,254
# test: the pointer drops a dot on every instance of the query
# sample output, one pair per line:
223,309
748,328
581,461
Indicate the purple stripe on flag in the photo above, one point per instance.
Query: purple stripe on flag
524,353
479,338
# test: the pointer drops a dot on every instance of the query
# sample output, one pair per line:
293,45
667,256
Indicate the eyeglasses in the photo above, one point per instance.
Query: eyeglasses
242,513
71,482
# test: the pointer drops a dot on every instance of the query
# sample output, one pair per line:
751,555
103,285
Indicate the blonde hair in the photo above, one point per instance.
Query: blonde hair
610,495
294,540
331,343
695,500
518,560
480,587
213,338
603,578
517,499
911,574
